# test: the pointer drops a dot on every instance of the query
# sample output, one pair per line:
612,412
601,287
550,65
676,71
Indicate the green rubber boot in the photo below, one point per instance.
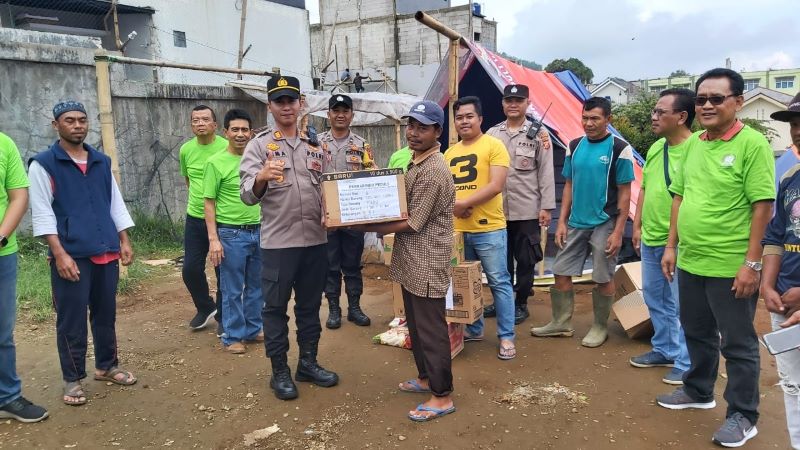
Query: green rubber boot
602,308
562,304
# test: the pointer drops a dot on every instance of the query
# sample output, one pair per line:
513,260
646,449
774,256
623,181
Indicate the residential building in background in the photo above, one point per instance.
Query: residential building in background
759,103
615,89
786,81
381,38
204,32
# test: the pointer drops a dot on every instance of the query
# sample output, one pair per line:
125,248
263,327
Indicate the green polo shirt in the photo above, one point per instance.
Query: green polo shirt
193,157
719,182
12,176
658,202
221,183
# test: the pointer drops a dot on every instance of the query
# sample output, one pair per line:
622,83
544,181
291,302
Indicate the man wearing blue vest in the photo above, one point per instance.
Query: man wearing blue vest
77,207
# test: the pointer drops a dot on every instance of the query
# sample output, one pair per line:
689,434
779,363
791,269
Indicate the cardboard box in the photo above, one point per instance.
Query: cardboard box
456,333
364,196
397,300
458,249
467,290
630,309
388,246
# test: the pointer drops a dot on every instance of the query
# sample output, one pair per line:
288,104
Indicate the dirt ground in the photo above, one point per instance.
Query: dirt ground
554,395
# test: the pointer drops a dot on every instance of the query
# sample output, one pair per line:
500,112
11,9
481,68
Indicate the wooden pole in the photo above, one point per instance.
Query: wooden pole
543,243
241,38
453,90
107,125
174,65
117,40
397,141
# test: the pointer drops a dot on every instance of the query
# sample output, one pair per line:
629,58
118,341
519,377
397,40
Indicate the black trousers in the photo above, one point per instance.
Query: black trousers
430,341
523,246
95,291
195,252
345,248
713,320
301,269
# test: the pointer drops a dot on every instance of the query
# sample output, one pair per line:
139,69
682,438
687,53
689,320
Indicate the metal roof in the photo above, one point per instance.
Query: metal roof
84,6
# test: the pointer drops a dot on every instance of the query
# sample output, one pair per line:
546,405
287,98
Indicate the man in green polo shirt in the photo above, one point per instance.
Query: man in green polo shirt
723,201
13,204
233,236
193,157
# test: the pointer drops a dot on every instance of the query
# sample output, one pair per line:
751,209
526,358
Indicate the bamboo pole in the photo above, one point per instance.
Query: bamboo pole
107,125
241,38
174,65
397,140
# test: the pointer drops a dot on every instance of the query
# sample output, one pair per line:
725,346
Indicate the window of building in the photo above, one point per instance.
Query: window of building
179,38
784,82
477,37
656,89
750,84
682,86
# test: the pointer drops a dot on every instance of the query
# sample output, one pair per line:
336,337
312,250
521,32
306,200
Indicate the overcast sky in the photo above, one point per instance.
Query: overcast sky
635,39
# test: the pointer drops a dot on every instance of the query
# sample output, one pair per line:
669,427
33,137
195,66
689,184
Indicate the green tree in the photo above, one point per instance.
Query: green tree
633,121
522,62
575,65
762,127
679,73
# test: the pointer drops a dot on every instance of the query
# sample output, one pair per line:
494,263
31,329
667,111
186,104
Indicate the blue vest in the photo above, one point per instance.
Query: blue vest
81,203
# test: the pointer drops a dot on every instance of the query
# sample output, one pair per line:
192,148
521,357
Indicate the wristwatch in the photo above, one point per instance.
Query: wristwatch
3,241
755,265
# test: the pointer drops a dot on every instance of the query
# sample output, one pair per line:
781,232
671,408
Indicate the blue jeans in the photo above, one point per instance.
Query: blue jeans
240,280
10,388
661,298
491,248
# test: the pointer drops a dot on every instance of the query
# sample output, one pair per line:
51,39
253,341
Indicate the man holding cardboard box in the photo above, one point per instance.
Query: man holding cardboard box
671,120
529,195
421,260
598,169
479,164
348,152
281,169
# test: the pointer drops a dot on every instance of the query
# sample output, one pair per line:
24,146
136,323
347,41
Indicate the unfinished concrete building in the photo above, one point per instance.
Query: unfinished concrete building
381,38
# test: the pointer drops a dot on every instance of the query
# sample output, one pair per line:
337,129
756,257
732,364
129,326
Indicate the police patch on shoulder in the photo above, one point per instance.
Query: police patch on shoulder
277,135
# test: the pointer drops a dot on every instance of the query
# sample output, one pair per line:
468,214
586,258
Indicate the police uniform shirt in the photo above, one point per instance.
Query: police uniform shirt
530,186
353,153
291,208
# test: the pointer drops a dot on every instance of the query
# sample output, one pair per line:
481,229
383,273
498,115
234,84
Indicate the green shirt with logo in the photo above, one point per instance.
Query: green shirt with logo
193,157
221,183
12,176
657,200
719,182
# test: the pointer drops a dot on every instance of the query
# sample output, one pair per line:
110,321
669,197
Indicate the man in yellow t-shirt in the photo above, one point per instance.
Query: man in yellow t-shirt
479,164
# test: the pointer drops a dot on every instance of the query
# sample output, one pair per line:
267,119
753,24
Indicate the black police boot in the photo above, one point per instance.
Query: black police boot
281,382
354,312
334,314
309,370
488,311
521,313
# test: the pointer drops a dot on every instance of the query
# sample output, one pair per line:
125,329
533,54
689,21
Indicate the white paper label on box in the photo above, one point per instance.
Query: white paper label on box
370,198
448,298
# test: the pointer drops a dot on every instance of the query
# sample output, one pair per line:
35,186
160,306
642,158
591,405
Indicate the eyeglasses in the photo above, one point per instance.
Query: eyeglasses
715,100
660,112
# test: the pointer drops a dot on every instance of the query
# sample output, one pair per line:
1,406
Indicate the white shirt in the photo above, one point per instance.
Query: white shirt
41,198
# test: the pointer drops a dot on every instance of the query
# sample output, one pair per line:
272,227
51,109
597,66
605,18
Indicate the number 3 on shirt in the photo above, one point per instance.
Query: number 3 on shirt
467,172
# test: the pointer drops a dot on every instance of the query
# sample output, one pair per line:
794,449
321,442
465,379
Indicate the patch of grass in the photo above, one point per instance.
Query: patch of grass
152,238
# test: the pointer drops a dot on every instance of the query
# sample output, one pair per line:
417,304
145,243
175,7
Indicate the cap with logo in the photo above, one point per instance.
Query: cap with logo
67,106
515,90
279,86
426,112
791,112
340,99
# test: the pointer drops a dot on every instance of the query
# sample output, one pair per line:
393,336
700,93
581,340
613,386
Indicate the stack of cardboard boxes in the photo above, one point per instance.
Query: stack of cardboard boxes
630,309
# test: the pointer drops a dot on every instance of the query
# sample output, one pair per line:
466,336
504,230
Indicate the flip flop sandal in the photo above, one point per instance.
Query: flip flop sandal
114,371
436,413
505,352
75,390
416,388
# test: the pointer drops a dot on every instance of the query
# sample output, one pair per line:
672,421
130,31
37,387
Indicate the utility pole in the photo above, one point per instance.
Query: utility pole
241,37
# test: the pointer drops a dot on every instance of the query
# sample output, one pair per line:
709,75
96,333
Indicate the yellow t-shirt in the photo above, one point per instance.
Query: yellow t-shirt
470,165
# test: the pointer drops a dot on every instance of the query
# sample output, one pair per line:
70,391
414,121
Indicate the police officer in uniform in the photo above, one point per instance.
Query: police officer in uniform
529,195
281,170
348,151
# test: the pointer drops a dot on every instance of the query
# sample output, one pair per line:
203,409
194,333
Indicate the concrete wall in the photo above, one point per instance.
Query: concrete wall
278,34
